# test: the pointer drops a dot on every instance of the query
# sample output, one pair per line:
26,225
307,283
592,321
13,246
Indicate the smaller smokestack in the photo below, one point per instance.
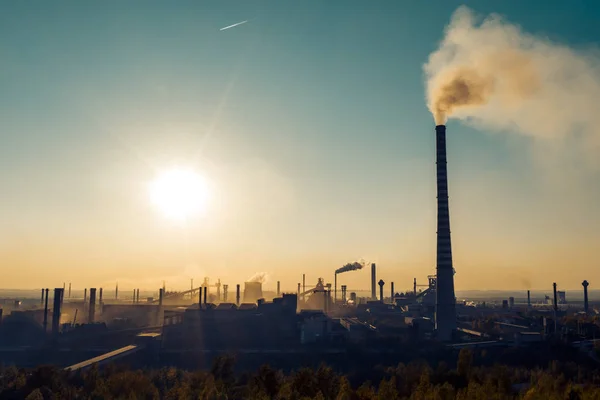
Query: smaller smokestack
46,312
92,309
555,298
529,299
585,296
117,291
335,287
138,296
298,290
392,291
225,293
133,296
415,286
278,288
381,283
237,294
84,295
373,282
205,294
58,293
159,312
303,286
69,289
100,297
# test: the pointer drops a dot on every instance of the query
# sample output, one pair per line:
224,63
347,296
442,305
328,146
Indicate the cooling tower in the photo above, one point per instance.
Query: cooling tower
252,292
445,305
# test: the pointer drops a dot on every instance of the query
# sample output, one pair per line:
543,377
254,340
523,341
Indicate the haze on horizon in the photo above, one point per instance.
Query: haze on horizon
311,128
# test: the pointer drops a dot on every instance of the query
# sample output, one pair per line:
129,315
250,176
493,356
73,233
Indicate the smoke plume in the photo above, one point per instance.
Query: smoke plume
258,277
351,267
496,76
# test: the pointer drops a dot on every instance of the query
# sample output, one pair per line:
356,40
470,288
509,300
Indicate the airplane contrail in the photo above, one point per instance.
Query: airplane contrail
231,26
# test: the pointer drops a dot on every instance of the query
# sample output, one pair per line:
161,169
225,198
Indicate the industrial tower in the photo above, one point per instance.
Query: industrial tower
445,305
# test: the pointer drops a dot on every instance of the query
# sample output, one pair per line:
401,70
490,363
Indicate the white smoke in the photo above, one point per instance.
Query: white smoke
492,74
261,277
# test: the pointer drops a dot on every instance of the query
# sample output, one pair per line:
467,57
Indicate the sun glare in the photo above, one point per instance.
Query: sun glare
179,193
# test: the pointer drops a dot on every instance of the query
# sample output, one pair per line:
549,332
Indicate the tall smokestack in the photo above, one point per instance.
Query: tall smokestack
529,299
373,282
58,293
445,312
69,289
237,294
46,311
84,295
381,283
117,291
585,296
555,298
133,296
100,297
92,310
278,289
392,292
205,294
415,286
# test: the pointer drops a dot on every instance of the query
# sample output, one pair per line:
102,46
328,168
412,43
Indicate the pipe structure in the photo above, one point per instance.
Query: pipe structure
381,283
585,285
445,305
225,293
56,311
92,309
46,312
237,294
555,298
373,282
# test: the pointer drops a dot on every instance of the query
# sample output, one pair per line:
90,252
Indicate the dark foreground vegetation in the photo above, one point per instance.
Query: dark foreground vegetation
416,380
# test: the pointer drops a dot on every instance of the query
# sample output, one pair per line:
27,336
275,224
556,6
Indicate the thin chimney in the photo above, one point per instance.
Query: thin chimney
373,282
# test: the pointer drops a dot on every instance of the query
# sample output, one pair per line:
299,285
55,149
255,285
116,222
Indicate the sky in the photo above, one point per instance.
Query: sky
310,123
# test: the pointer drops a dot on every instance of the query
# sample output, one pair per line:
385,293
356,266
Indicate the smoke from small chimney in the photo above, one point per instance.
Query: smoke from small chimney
492,74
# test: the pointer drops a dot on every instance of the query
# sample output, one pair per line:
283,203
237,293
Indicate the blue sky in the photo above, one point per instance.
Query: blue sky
310,120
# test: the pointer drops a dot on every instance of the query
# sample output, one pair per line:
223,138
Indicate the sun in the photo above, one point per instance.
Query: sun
179,193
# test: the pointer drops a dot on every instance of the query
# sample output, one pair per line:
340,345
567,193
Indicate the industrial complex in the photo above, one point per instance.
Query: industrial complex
249,318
